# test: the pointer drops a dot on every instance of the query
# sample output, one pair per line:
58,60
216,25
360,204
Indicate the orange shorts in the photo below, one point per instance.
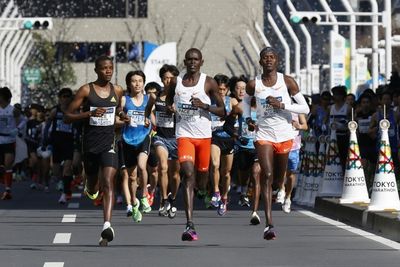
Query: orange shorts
279,148
196,150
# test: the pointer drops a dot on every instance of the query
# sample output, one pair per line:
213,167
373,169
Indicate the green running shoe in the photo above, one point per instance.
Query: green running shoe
136,214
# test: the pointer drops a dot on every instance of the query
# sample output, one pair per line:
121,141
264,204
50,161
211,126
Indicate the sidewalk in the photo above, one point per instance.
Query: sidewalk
386,224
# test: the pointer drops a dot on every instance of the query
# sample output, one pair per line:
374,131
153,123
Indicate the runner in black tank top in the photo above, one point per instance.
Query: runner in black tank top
101,103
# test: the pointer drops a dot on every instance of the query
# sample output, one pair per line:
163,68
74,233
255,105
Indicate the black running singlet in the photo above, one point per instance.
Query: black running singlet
165,121
99,132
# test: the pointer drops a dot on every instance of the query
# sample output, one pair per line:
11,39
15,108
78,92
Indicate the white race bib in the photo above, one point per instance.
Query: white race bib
164,120
107,119
137,117
187,112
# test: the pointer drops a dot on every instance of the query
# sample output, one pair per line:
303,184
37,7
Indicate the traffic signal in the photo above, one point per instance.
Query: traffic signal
37,24
305,17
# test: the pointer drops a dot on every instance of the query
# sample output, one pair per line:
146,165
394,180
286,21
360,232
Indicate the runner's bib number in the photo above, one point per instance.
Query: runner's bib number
63,127
187,112
164,120
107,119
137,117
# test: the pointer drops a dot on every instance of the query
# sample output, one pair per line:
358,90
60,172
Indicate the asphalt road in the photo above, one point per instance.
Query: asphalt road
31,223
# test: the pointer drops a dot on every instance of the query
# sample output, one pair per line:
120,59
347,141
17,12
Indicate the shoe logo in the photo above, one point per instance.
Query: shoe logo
113,99
111,151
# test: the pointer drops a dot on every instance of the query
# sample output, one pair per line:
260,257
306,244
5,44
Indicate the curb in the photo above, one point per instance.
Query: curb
385,223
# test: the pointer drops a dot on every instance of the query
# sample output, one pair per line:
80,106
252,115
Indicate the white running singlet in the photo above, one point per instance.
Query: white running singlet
8,128
192,122
274,125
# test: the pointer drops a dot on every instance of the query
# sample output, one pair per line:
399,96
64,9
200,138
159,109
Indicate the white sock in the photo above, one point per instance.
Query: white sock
106,225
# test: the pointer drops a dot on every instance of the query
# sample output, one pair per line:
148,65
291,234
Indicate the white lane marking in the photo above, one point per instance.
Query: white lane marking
53,264
76,195
68,218
379,239
62,238
73,205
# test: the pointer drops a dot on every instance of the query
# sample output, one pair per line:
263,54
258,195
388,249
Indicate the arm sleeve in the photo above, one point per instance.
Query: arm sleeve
246,106
300,106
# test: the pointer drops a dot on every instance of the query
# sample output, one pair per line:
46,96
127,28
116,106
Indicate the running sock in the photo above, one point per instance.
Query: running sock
106,225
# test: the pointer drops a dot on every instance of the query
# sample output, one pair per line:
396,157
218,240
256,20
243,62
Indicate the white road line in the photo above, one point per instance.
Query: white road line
53,264
76,195
67,218
382,240
62,238
73,205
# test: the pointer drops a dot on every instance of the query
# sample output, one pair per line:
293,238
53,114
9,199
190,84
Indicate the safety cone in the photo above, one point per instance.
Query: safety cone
384,189
332,181
319,170
354,185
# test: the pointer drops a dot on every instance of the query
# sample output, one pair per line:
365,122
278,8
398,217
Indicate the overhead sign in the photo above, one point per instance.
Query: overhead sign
338,59
31,76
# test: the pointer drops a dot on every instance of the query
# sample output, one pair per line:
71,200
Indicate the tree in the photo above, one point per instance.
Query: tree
56,70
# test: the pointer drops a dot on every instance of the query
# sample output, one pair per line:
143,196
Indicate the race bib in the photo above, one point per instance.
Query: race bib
63,127
164,120
137,117
107,119
187,112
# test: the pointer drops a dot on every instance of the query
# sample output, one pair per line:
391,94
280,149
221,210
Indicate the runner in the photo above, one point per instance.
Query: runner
274,133
222,148
192,99
166,146
136,142
8,133
101,101
32,139
62,142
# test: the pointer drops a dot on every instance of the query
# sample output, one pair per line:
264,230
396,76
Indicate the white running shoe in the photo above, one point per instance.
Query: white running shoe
255,219
63,199
286,205
280,197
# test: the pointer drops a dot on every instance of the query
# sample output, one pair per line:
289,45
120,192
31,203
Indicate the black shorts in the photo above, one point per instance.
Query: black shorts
121,159
132,152
225,144
152,161
6,149
62,151
32,147
246,158
93,161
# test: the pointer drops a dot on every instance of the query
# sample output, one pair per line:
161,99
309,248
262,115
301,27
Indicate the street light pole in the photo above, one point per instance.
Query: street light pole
295,40
375,66
388,39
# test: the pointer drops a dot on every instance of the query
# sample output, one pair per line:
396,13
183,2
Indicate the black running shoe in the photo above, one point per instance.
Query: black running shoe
189,234
269,233
107,235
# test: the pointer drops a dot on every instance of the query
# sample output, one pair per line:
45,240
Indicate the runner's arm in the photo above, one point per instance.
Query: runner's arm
70,114
301,105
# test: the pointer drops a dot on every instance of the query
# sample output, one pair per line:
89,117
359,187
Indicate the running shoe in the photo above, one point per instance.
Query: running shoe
60,186
286,206
33,186
62,200
150,198
129,211
190,233
136,214
215,199
207,202
145,206
244,201
91,196
6,195
172,208
107,235
280,197
68,196
255,219
164,207
222,208
269,233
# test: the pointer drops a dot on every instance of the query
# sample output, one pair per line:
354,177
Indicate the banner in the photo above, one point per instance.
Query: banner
164,54
337,59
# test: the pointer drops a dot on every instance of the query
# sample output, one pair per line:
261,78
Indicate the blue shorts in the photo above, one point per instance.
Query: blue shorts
294,160
169,144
